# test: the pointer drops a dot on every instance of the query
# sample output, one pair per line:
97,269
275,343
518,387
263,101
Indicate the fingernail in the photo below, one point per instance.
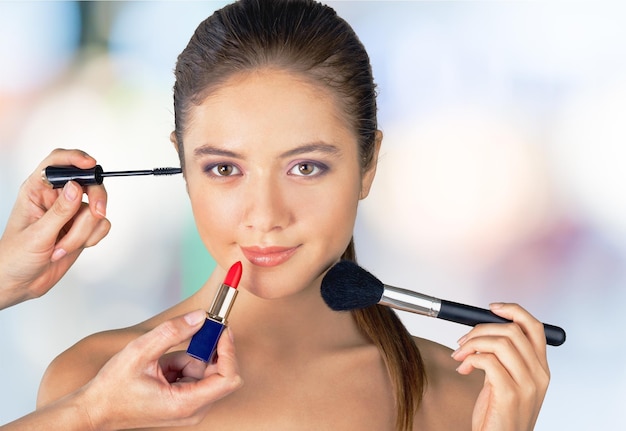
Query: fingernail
462,339
496,305
455,352
230,335
71,191
195,317
57,254
101,208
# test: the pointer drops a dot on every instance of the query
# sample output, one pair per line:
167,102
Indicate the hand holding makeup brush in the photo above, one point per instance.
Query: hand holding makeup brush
508,344
48,229
513,358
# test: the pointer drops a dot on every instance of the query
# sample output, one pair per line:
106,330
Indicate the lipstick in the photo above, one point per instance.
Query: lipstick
204,342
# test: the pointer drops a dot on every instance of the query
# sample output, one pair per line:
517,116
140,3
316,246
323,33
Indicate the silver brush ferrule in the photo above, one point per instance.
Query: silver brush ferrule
408,300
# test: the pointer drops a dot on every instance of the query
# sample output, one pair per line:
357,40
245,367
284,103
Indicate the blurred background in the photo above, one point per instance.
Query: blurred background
500,177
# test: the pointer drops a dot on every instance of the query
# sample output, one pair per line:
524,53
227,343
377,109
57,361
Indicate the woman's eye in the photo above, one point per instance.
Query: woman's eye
307,169
223,170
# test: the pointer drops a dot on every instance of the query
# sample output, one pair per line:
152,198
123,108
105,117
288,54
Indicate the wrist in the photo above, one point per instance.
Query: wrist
11,291
93,409
67,414
81,409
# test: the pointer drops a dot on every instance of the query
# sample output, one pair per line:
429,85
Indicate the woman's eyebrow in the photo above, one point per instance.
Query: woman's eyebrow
214,151
315,147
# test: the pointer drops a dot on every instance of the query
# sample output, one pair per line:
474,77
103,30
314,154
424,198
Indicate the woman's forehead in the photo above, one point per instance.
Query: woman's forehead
273,103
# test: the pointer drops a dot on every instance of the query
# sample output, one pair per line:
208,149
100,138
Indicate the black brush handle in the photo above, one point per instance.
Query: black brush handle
472,316
57,176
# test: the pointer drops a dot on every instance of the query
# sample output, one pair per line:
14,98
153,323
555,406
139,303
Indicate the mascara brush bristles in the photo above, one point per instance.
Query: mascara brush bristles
167,171
156,171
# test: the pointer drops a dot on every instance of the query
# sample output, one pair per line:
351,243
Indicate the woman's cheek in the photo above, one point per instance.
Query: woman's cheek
211,213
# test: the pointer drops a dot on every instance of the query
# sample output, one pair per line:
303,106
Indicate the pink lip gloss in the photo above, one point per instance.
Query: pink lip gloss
204,342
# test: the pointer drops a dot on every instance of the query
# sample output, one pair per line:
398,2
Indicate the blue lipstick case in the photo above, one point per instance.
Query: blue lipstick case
204,342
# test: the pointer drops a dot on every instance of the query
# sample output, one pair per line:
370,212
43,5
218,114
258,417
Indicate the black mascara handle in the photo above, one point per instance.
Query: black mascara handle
472,316
58,176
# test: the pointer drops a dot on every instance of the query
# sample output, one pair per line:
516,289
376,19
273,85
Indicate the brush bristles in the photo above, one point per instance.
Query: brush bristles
347,286
166,171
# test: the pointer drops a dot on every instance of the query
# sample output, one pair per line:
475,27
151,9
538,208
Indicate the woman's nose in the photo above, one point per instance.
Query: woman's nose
267,206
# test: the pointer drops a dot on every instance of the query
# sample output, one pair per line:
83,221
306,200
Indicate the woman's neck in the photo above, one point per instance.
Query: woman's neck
298,324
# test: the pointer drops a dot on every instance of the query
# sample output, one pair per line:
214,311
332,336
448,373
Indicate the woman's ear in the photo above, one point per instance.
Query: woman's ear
173,140
179,150
370,173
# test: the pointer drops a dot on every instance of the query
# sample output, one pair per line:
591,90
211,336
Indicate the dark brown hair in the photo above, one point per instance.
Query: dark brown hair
307,38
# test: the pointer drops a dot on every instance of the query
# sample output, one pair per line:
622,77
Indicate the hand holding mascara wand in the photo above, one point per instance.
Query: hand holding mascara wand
58,176
347,286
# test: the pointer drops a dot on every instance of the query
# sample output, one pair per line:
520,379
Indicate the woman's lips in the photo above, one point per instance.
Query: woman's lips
268,256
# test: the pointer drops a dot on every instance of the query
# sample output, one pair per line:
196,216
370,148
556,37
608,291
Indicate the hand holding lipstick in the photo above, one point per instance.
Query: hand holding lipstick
140,387
170,390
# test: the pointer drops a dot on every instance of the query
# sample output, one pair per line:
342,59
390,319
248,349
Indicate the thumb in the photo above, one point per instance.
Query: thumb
152,345
64,208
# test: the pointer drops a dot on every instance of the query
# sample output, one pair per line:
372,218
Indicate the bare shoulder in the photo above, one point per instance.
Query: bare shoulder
80,363
449,397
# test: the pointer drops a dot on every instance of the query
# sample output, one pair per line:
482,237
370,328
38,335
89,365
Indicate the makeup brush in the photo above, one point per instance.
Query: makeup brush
57,176
347,286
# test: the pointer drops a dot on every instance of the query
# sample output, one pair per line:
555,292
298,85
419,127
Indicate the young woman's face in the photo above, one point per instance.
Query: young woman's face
274,179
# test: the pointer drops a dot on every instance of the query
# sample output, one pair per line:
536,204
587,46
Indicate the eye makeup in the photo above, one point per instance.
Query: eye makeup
307,168
221,170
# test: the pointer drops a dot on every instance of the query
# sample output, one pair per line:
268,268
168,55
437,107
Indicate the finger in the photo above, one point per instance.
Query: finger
100,231
509,392
84,231
509,344
171,365
64,157
477,349
495,372
36,195
152,345
226,364
69,246
96,195
532,328
64,208
179,365
97,198
220,378
526,331
200,394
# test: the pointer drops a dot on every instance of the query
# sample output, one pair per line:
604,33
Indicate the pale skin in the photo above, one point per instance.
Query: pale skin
140,386
274,179
137,387
48,229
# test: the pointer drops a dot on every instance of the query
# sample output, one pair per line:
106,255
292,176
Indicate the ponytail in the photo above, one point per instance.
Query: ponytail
402,358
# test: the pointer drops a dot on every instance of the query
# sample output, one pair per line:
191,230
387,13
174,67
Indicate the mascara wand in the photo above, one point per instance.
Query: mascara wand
58,176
